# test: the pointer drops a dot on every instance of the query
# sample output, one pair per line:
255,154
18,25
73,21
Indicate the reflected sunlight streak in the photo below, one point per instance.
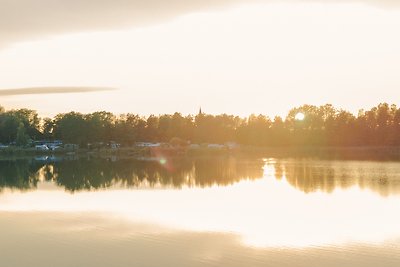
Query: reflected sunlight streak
263,213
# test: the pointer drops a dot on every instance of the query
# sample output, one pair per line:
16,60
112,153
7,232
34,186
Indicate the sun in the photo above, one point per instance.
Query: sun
299,116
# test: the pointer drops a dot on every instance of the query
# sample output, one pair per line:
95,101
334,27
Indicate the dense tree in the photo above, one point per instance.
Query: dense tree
100,126
152,124
22,138
321,126
47,128
71,128
10,122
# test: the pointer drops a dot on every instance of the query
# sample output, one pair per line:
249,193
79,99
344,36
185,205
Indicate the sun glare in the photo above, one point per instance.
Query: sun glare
299,116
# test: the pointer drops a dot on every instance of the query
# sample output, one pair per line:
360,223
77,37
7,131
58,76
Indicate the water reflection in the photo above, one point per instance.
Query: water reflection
88,174
306,175
19,174
271,209
323,175
51,239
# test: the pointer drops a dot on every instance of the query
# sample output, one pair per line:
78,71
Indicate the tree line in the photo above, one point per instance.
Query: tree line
322,126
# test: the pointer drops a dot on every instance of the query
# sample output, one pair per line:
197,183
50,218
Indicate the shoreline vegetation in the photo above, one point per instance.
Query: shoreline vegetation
306,130
356,153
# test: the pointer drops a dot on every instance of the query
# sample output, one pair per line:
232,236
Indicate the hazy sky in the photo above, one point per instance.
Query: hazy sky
230,56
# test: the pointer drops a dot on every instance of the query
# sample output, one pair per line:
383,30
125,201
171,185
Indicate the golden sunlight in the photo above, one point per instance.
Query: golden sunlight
288,221
199,133
300,116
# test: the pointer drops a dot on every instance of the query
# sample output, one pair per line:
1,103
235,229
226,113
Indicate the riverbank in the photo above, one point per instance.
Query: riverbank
384,153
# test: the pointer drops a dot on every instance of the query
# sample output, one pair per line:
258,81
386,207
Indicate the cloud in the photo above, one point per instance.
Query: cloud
51,90
32,19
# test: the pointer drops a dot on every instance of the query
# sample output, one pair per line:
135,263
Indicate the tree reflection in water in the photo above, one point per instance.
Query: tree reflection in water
307,175
310,175
89,174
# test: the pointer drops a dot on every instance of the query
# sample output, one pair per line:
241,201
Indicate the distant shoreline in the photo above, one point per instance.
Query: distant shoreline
306,128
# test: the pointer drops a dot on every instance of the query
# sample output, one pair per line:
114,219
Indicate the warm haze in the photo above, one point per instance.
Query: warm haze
237,57
196,133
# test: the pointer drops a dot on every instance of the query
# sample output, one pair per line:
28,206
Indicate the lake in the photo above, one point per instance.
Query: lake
203,211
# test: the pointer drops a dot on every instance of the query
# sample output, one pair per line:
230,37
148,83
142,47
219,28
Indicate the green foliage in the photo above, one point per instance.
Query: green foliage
48,127
71,128
22,138
322,126
10,122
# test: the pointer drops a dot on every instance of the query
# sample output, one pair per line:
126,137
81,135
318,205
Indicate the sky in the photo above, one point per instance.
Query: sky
225,56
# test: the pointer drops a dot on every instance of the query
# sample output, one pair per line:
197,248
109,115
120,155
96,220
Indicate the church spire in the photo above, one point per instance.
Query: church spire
200,113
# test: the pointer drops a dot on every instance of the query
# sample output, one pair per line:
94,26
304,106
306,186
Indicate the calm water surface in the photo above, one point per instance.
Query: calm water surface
219,211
